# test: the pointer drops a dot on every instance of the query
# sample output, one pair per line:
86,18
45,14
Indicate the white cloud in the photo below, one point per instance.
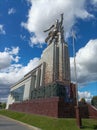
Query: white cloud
5,60
13,50
86,62
87,95
23,37
16,59
15,72
8,56
31,65
11,11
23,24
2,31
43,14
94,1
34,42
11,71
3,99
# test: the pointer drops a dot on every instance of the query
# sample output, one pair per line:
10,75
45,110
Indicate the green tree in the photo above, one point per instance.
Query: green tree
94,101
3,105
82,100
0,105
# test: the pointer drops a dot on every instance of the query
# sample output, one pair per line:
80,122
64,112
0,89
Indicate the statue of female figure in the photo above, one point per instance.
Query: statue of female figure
53,30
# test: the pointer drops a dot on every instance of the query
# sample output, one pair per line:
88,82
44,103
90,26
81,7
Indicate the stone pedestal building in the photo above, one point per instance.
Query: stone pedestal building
47,89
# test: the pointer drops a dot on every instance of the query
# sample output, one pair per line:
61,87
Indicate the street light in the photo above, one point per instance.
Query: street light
75,70
78,117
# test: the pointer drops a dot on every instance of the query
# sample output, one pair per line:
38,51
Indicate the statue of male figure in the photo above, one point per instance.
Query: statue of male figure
55,28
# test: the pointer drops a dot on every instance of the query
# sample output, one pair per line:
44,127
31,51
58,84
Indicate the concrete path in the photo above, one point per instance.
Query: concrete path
10,124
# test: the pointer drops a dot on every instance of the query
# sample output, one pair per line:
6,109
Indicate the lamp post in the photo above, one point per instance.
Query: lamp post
78,117
75,72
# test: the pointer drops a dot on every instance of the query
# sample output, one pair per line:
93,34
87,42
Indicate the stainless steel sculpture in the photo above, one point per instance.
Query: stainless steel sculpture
54,31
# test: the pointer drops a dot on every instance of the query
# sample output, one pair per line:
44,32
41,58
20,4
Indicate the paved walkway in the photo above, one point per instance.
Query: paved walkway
10,124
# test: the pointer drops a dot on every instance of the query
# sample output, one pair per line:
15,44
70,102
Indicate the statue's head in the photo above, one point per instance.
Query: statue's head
57,21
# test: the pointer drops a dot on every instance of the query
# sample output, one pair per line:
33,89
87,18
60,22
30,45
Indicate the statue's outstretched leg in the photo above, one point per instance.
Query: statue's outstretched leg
46,40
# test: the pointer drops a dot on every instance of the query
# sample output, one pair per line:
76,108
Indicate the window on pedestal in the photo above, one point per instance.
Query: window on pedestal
33,81
39,77
18,93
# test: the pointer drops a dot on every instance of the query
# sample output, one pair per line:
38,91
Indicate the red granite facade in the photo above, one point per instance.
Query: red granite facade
92,111
53,107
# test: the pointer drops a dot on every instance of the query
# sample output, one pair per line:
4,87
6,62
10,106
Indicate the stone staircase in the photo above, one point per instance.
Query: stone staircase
92,111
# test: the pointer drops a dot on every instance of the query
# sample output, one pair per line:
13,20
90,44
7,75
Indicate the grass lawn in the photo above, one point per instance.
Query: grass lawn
47,123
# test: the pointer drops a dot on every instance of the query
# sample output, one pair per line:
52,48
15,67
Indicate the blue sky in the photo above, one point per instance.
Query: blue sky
22,39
